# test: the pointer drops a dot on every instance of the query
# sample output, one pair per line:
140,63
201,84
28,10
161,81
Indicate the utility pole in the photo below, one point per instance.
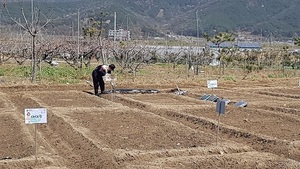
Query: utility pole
32,12
127,27
72,27
261,35
78,25
197,19
127,23
198,53
115,27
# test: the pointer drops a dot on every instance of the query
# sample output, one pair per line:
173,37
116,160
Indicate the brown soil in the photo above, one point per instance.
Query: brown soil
162,130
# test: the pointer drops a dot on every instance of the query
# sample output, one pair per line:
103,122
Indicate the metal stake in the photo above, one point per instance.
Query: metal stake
36,149
112,90
218,129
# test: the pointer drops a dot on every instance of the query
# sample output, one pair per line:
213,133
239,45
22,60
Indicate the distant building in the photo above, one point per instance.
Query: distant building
120,35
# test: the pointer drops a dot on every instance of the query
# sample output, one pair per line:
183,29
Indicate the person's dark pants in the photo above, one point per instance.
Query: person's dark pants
98,82
102,85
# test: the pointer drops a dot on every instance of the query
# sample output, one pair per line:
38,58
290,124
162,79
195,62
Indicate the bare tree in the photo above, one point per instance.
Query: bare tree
94,31
174,57
33,29
285,58
198,58
250,61
132,57
67,51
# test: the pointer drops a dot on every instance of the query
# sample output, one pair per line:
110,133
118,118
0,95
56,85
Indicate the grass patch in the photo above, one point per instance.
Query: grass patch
230,78
61,74
277,75
149,74
254,77
64,74
15,71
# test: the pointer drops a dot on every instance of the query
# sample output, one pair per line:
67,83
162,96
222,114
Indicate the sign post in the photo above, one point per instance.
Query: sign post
35,116
220,110
211,84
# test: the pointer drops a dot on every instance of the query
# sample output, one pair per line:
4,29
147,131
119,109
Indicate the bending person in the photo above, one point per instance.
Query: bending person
98,73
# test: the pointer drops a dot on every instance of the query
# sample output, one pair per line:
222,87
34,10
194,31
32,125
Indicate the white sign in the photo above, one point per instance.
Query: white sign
33,116
212,84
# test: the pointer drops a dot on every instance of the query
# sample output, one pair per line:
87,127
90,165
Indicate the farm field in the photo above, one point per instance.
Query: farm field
152,130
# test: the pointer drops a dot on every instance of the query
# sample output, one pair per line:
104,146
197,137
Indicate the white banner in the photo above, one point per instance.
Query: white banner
37,115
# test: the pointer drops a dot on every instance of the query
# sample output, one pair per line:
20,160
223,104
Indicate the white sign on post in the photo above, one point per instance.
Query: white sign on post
35,116
212,84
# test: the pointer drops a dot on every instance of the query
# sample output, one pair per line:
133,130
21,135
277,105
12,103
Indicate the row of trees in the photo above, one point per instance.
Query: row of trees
130,56
254,60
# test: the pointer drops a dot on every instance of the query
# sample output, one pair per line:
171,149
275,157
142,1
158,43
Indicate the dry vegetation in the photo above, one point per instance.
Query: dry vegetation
161,130
157,130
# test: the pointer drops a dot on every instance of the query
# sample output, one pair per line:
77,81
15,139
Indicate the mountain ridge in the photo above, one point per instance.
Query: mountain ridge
158,18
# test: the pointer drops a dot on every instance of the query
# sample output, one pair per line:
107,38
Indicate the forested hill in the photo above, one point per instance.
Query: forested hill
157,18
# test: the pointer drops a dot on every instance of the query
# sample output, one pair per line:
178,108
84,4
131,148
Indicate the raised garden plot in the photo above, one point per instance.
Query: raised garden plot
255,121
124,128
14,142
68,99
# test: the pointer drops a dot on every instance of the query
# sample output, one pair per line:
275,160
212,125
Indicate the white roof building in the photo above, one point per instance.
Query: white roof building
119,35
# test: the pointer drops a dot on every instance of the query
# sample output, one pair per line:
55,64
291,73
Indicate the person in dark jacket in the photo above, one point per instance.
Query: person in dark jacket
98,73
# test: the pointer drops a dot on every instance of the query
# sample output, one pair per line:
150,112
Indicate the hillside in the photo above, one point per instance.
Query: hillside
156,18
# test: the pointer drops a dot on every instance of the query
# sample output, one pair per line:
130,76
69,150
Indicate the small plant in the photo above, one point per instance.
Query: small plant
1,72
230,78
254,77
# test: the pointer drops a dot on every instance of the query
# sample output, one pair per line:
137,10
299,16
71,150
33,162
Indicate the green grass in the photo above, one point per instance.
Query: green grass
15,71
61,74
65,74
230,78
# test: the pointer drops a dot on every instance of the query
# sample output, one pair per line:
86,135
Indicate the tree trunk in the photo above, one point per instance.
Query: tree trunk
104,60
34,65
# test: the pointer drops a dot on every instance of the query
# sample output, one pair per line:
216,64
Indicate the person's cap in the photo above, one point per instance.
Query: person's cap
112,67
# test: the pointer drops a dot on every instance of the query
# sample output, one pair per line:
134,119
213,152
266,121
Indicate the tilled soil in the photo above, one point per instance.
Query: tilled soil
151,130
